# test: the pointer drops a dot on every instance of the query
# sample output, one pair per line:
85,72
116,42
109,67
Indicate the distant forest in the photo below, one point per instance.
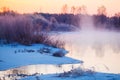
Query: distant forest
69,21
32,28
100,21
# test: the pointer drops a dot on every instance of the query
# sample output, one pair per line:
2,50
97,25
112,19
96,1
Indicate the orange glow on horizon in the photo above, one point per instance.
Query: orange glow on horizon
54,6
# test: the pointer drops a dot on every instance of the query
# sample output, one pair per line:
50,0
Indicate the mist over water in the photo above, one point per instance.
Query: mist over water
87,23
98,48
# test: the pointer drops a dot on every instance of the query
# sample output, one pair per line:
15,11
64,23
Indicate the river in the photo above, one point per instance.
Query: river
97,49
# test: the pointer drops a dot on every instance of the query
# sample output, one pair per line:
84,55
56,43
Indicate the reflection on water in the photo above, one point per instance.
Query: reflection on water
100,50
17,73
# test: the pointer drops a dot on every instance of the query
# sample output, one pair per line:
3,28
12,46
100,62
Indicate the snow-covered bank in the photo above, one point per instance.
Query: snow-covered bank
95,76
75,74
16,56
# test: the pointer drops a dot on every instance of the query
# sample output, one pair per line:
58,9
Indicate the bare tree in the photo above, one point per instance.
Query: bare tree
73,9
78,10
117,14
83,9
5,9
102,10
64,9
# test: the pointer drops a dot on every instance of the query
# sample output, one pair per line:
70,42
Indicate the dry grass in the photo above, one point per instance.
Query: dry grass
77,72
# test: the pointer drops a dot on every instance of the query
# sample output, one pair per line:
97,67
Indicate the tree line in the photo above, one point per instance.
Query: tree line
74,18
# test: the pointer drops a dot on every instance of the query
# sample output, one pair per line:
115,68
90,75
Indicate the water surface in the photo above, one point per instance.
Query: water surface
98,49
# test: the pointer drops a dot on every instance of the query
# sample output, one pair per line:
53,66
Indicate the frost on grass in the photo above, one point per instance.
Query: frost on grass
77,72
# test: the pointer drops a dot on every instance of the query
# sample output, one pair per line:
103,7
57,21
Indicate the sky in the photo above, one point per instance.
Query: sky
55,6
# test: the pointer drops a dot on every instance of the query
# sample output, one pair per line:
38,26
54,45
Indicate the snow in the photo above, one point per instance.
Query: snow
12,56
95,76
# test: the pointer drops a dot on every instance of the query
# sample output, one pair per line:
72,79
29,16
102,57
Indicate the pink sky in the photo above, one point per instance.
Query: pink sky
54,6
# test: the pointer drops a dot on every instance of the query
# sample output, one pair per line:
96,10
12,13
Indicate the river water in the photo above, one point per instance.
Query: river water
98,49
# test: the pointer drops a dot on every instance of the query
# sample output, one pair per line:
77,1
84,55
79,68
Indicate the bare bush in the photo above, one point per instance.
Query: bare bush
16,28
21,29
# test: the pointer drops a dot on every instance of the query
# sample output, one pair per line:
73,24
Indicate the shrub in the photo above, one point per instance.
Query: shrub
21,29
15,28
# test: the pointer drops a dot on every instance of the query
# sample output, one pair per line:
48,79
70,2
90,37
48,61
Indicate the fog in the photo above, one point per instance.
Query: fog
97,39
98,48
87,23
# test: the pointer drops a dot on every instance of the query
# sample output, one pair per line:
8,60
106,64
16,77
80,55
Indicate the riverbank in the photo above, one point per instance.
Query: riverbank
95,76
12,56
